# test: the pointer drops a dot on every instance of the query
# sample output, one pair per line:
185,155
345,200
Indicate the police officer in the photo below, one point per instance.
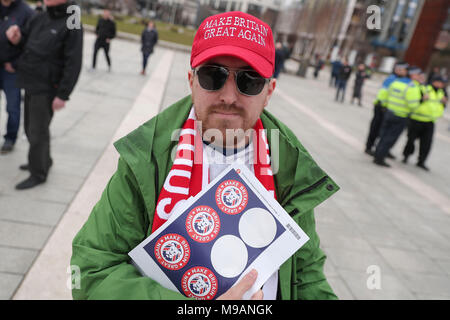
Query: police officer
421,124
400,73
402,99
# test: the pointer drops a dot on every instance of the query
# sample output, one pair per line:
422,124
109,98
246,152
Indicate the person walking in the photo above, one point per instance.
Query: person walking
402,99
400,73
48,71
12,12
342,78
149,38
422,120
318,66
360,76
105,31
279,59
336,66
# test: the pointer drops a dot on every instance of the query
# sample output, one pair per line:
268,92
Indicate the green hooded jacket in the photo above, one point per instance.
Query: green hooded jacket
123,216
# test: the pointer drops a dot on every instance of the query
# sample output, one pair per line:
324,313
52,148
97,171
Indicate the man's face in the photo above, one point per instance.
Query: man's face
227,108
52,3
6,3
438,84
401,72
415,77
422,78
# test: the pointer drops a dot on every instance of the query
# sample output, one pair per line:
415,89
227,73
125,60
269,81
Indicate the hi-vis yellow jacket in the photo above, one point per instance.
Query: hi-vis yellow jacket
403,97
432,108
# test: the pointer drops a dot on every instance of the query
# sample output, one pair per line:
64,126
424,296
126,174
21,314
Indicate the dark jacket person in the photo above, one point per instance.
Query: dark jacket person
48,71
12,12
105,31
149,38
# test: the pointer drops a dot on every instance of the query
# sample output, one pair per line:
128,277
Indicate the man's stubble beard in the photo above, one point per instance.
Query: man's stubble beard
210,127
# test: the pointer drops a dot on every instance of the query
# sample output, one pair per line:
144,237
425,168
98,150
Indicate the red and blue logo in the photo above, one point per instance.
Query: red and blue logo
203,224
199,283
172,251
231,197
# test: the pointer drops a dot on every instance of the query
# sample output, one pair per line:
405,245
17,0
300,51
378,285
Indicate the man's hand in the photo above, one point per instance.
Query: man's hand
9,68
107,40
58,104
13,34
237,291
444,100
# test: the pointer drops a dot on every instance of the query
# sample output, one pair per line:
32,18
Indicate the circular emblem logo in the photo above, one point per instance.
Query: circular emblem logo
199,283
203,224
231,197
172,251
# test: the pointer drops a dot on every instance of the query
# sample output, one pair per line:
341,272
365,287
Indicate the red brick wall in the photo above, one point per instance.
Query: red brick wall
432,17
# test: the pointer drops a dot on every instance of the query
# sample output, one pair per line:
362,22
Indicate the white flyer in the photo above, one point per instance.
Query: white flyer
215,238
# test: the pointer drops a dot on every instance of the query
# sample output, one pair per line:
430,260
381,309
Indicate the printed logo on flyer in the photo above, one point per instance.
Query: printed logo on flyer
203,224
231,197
199,283
172,251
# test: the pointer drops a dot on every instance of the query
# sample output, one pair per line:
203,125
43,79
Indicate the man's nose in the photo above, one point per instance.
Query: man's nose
229,93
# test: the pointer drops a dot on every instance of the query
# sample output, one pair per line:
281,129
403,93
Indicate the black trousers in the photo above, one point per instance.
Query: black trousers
422,131
375,125
105,46
391,129
37,118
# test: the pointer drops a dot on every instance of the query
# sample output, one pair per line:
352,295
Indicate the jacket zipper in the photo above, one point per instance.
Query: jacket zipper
308,189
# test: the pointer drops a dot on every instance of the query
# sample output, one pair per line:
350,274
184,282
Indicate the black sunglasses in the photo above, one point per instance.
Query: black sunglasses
213,78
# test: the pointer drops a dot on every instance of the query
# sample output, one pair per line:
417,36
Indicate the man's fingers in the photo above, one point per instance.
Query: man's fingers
246,283
258,295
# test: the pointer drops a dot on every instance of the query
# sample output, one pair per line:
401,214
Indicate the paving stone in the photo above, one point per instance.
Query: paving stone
415,261
18,260
356,260
21,235
340,288
426,284
18,207
8,284
364,286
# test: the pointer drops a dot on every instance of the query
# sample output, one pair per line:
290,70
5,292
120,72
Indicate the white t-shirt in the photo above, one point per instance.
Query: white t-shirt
218,162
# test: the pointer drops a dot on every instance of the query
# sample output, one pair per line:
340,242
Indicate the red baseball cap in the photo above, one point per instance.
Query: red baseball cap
236,34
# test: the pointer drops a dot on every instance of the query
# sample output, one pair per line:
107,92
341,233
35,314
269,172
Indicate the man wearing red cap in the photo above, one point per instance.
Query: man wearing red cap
222,122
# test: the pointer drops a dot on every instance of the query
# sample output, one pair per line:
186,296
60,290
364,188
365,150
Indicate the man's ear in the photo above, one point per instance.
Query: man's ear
271,87
191,78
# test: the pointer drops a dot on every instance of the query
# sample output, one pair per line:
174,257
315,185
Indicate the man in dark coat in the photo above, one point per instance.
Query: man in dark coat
360,76
336,66
149,38
280,56
12,12
48,71
342,78
105,31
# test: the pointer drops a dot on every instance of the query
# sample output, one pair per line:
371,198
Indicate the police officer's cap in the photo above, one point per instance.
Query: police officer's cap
402,64
414,70
439,78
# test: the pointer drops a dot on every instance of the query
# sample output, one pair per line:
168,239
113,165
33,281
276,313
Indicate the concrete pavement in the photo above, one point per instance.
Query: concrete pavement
386,232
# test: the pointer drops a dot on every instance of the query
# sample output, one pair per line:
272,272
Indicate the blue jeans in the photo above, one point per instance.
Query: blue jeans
12,93
145,56
340,85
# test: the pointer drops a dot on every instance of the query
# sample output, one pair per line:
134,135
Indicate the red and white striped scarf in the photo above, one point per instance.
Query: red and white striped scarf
189,173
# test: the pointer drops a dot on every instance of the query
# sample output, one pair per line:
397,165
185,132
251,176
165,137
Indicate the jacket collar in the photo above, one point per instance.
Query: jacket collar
296,176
